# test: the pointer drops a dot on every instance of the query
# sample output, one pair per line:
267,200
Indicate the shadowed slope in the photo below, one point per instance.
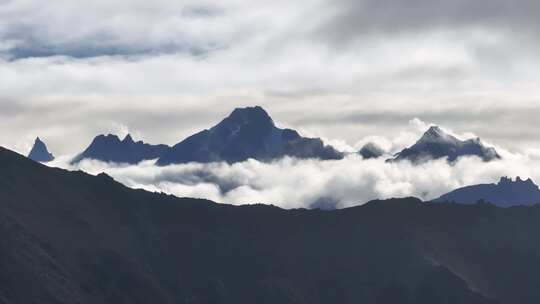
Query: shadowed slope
68,237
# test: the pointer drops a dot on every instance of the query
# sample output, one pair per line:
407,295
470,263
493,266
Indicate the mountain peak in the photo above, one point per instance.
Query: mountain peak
247,133
436,134
435,143
39,152
250,110
109,148
108,137
128,139
249,116
435,130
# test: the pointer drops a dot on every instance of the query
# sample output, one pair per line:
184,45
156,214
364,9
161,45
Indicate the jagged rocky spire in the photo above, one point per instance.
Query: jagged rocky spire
40,153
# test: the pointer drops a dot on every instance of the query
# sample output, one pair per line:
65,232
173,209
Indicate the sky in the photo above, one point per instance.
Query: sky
348,71
339,69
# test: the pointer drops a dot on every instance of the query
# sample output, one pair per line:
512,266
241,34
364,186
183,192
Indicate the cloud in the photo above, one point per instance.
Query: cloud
312,64
134,27
293,183
352,18
103,28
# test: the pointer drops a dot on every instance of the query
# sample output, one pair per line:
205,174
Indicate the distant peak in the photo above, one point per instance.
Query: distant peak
250,115
435,131
436,134
255,111
107,137
39,152
435,143
128,139
250,109
38,141
110,148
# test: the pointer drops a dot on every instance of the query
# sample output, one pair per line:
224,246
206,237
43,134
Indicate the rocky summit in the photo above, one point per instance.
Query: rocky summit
436,144
40,153
247,133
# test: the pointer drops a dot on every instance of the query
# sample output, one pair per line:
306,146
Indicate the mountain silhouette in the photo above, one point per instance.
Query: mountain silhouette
246,133
40,153
371,150
435,144
69,237
506,193
111,149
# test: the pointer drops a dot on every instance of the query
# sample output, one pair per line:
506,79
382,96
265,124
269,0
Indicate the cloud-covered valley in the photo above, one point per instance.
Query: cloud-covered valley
293,183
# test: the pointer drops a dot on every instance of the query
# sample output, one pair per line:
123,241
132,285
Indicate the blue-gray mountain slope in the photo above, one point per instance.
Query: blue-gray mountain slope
247,133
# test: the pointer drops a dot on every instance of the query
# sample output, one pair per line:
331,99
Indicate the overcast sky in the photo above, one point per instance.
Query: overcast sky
344,70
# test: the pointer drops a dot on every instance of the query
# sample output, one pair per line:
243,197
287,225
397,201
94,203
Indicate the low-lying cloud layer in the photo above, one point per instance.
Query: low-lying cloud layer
292,183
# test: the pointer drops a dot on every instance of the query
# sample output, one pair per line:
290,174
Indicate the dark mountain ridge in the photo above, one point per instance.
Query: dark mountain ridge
246,133
110,148
40,153
435,144
69,237
506,193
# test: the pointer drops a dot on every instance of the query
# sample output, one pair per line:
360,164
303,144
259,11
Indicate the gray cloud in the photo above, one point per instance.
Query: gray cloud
397,17
343,70
104,29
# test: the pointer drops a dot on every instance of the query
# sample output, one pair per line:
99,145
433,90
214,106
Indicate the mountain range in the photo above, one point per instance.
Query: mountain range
111,149
436,144
247,133
251,133
505,193
69,237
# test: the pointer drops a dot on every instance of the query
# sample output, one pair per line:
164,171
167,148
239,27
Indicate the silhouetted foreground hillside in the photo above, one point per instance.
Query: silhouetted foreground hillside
68,237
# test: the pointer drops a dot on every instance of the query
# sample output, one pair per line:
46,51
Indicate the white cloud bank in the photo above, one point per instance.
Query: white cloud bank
292,183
